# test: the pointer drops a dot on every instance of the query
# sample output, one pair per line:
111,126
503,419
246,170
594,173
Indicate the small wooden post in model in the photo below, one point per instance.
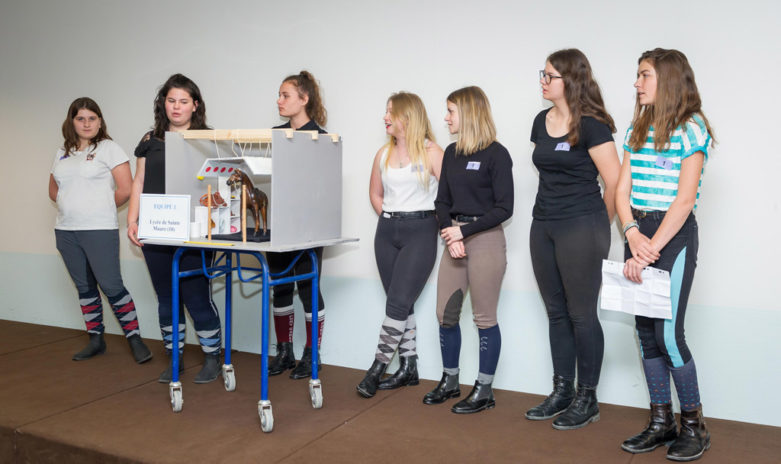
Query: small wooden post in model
243,213
209,207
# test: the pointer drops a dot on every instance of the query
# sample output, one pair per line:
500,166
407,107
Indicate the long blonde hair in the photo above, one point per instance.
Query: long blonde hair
476,125
409,109
677,100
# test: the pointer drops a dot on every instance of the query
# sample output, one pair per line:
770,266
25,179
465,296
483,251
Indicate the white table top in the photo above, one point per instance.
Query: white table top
248,246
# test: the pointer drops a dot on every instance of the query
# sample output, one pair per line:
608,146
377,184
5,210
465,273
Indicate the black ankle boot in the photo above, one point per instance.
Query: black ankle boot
660,431
304,367
481,397
166,375
406,375
284,360
447,388
693,438
211,369
583,410
140,352
95,346
561,397
368,386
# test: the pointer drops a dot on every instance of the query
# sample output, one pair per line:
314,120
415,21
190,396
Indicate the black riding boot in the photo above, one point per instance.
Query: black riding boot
581,412
481,397
693,438
447,388
284,360
167,374
561,397
368,386
95,346
661,430
304,367
211,369
406,375
140,352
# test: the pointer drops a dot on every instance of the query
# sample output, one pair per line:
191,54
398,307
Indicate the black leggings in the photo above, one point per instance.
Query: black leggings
405,250
665,337
567,258
283,294
194,292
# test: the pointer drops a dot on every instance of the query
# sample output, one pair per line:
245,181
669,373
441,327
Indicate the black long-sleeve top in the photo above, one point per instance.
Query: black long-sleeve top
480,184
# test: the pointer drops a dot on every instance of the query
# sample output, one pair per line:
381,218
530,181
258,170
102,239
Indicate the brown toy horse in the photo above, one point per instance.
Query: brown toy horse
257,201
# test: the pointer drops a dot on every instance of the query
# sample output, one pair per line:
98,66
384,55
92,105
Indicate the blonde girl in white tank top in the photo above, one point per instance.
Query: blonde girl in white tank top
402,190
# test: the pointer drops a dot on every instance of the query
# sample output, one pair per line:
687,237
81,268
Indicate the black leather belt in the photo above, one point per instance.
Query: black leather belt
408,214
640,214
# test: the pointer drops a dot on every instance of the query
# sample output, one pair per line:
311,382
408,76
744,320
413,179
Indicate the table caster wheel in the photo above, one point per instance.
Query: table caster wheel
316,393
229,377
266,416
175,392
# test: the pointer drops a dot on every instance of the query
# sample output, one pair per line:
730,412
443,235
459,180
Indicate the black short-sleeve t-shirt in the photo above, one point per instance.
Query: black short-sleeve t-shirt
153,149
568,176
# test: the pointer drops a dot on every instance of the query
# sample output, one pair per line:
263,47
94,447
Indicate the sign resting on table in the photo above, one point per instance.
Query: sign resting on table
165,217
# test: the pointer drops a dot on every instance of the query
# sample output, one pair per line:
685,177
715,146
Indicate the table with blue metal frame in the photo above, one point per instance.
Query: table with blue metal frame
224,266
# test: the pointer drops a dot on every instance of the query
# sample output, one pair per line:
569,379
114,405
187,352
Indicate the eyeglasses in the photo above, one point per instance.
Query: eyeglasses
547,77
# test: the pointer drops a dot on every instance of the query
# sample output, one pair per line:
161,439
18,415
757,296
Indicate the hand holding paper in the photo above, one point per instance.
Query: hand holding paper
651,298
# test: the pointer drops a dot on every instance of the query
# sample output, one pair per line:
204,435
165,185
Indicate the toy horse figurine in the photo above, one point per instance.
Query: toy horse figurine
257,201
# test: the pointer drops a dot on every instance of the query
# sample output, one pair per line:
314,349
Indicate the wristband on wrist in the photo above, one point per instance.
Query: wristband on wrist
629,225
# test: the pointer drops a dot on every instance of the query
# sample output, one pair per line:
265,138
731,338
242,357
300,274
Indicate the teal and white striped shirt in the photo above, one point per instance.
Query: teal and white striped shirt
655,174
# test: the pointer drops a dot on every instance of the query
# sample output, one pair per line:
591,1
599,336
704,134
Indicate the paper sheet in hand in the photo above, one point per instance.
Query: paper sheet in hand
650,299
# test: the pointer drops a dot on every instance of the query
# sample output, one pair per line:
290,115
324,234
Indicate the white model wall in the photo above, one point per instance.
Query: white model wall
238,52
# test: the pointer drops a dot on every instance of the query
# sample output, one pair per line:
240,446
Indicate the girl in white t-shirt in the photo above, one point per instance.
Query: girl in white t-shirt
89,179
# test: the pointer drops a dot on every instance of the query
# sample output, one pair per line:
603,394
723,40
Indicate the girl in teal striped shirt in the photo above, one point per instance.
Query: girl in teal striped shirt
664,153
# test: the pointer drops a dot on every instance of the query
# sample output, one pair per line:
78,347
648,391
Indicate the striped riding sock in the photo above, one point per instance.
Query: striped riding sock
320,321
490,346
390,336
210,340
283,324
408,344
450,344
657,376
92,310
125,311
685,378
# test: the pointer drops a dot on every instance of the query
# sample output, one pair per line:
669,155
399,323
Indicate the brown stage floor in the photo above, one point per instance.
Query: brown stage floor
111,410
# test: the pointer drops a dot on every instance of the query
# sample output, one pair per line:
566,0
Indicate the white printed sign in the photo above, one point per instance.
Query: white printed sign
164,217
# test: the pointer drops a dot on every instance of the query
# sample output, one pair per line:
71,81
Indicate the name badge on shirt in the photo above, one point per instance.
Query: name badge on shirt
473,166
416,167
563,146
663,162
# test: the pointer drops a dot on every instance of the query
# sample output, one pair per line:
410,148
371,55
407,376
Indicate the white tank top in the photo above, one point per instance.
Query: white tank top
402,190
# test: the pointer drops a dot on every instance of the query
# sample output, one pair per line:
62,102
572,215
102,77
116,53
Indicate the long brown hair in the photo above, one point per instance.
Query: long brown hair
476,125
178,81
580,90
72,141
677,100
306,85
